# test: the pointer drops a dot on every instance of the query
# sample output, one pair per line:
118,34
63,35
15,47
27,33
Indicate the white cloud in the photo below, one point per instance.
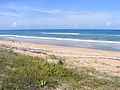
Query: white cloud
29,8
38,16
6,13
15,24
109,23
54,11
74,25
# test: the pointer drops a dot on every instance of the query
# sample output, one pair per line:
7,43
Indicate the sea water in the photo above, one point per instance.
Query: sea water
102,39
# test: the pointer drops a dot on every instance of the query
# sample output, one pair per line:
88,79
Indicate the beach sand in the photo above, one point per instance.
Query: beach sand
103,61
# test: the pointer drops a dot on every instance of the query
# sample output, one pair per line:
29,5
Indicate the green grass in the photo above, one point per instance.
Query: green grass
20,72
61,60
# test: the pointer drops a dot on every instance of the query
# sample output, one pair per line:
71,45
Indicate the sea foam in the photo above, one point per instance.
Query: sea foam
61,39
59,33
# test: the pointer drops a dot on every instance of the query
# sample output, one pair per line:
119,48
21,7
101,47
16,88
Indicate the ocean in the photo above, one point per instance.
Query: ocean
82,38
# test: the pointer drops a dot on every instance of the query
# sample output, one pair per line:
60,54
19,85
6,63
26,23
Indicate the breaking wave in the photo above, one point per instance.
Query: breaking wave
54,38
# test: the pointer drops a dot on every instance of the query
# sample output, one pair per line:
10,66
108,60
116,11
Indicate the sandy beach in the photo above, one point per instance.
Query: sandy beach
104,61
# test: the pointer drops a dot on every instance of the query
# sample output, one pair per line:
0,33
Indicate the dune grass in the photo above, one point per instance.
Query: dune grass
20,72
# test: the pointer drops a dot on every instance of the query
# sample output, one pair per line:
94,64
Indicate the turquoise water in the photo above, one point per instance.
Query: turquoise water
83,38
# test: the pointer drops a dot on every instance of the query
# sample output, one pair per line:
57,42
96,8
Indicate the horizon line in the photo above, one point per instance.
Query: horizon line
63,28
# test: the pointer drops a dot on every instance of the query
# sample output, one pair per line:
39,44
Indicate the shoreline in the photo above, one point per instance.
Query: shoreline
101,60
68,42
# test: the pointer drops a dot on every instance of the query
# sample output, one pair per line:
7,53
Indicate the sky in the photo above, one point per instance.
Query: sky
17,14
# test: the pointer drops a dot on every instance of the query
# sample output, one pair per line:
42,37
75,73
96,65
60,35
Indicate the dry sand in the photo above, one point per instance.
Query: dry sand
104,61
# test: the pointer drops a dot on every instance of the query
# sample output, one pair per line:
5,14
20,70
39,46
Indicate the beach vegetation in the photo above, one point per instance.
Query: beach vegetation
23,72
51,56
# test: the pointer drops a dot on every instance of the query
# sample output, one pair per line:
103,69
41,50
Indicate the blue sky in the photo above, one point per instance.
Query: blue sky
59,14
